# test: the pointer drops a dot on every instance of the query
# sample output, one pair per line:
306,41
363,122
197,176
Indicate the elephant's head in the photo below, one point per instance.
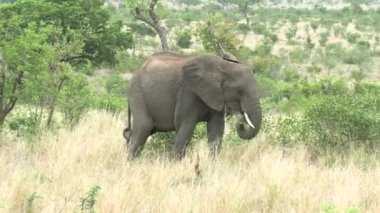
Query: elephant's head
225,84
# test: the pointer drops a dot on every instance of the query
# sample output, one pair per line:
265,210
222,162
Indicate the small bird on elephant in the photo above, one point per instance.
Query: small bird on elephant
173,92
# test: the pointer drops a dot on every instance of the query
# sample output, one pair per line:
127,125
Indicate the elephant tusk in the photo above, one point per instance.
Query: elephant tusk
248,121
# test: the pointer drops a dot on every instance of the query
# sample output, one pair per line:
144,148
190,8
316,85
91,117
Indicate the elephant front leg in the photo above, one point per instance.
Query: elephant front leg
215,130
182,138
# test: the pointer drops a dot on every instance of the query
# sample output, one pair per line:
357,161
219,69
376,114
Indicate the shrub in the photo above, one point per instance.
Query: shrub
298,55
323,39
313,68
358,75
291,33
314,24
75,98
290,74
335,119
115,85
24,124
357,55
109,102
259,28
184,39
265,66
352,37
341,120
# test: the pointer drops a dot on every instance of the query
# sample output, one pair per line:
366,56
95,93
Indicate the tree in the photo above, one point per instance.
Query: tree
20,59
243,6
144,10
41,42
217,38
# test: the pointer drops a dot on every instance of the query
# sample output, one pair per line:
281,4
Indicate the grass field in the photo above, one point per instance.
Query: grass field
86,168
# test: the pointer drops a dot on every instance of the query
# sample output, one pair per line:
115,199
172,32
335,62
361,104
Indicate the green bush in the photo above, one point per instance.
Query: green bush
290,74
109,102
352,37
357,55
115,85
298,55
358,75
184,39
75,98
335,119
259,28
323,39
24,124
264,66
313,68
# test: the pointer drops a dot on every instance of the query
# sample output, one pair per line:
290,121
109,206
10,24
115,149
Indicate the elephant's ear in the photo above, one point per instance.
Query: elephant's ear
202,76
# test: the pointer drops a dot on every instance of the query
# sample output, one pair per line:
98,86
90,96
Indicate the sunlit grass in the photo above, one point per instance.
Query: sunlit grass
87,168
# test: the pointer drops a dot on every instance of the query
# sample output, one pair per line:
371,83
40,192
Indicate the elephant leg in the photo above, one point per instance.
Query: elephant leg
215,130
182,138
142,126
140,133
185,119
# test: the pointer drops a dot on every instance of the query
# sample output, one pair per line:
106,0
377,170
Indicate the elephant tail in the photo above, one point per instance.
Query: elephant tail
127,133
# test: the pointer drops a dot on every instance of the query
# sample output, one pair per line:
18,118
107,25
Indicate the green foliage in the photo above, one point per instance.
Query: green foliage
217,37
101,38
298,55
115,85
88,202
330,208
313,68
334,117
314,24
243,28
290,74
352,37
323,38
128,62
260,28
291,33
24,124
358,75
266,66
39,47
31,200
184,39
358,55
264,49
109,102
75,98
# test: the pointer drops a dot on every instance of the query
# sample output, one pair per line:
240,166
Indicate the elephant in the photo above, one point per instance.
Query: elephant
173,92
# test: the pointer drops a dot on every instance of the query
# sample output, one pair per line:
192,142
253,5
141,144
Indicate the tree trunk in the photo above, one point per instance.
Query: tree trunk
162,34
2,118
152,20
54,103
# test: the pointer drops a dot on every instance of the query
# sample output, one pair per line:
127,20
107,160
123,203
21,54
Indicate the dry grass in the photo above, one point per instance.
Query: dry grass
61,169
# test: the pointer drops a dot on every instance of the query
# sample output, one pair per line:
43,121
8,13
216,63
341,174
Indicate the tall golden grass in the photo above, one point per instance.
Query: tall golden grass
59,172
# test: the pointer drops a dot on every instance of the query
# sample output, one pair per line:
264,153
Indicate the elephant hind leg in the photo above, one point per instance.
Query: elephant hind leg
140,133
142,128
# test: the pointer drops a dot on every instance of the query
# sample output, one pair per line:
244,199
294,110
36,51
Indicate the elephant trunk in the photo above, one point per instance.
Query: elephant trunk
251,124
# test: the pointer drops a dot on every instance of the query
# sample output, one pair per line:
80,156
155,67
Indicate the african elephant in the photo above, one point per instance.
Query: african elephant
175,92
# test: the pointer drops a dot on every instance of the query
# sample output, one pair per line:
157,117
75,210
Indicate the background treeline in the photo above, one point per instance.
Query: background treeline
317,68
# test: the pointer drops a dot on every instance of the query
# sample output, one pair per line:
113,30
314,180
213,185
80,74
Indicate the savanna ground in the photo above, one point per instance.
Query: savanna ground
86,169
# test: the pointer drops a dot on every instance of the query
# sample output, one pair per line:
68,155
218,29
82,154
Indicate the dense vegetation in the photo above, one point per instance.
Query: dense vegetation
317,67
